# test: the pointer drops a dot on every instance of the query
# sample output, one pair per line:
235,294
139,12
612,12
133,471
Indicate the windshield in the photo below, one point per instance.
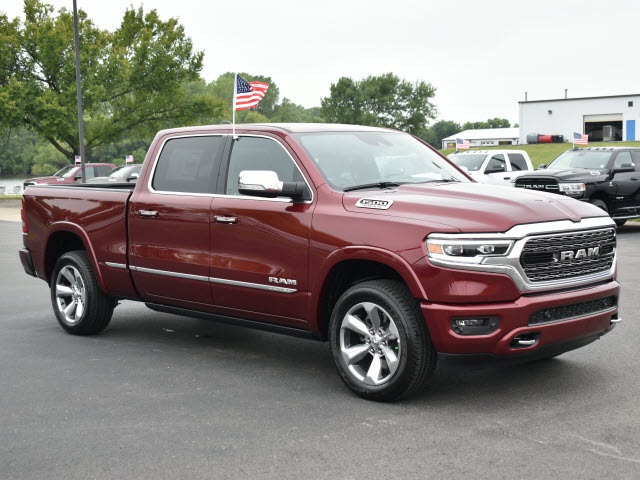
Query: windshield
118,171
66,172
592,159
470,162
352,159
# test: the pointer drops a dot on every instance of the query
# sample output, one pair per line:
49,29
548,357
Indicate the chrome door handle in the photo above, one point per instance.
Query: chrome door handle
147,213
225,219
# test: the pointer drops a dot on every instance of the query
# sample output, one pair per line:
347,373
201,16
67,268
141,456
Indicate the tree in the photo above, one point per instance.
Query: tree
133,79
490,123
222,89
289,112
439,130
384,100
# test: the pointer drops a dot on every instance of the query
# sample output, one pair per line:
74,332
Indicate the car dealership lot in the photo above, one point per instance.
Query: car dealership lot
161,396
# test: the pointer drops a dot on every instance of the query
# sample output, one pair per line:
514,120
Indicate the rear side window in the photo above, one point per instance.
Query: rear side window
517,161
188,165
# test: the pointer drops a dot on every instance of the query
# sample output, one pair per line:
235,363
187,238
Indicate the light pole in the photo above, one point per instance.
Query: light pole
79,89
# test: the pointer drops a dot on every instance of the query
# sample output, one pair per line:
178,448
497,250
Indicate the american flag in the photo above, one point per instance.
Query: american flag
462,144
128,159
248,94
580,139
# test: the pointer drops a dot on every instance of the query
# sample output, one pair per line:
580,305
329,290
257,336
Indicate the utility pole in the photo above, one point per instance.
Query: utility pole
79,89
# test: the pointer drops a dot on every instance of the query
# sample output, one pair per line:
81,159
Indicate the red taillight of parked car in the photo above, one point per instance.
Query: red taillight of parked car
23,215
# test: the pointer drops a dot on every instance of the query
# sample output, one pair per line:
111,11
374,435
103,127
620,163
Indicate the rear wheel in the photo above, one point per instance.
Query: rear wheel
379,341
81,307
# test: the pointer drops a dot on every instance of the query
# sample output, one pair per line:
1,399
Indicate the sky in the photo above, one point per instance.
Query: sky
481,56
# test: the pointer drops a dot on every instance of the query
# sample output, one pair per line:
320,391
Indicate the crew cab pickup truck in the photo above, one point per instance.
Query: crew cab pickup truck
495,167
607,177
71,174
315,231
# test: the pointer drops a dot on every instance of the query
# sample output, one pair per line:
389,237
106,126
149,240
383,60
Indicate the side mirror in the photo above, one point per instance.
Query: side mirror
266,184
542,166
132,177
625,167
496,170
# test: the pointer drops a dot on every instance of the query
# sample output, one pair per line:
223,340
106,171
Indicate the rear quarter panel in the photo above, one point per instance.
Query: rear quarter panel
96,216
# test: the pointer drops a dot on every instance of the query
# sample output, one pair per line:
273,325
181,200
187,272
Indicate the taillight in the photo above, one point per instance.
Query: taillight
23,215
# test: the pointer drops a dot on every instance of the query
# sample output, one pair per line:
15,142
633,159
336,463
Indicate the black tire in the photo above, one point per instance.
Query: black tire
382,368
600,204
79,304
620,222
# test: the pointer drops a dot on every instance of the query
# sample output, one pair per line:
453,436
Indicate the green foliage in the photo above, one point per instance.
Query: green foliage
384,100
133,78
440,130
222,89
490,123
289,112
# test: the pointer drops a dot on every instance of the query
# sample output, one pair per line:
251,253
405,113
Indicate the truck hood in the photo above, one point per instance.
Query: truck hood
469,207
570,174
46,180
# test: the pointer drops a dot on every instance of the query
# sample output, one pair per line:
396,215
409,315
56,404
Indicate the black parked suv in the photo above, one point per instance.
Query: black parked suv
608,177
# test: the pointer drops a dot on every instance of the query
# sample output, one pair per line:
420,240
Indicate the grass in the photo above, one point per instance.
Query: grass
545,152
10,197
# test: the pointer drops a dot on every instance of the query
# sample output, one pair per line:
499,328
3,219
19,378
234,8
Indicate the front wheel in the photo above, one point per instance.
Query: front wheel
620,222
81,307
379,341
600,204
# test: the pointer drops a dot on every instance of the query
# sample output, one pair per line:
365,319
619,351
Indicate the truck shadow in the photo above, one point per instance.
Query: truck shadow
304,364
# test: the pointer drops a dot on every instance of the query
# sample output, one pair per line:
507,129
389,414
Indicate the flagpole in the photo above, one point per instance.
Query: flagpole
233,107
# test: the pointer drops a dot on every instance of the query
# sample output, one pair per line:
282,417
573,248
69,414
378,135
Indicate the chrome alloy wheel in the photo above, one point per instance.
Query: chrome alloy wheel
71,297
370,343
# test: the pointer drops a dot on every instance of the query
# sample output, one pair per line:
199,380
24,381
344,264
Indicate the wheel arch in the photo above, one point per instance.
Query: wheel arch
66,237
353,265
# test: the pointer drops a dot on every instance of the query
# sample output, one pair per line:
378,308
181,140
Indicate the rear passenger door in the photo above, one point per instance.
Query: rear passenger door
260,246
169,222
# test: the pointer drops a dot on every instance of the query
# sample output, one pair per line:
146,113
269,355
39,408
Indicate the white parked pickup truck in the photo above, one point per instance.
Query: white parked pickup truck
495,167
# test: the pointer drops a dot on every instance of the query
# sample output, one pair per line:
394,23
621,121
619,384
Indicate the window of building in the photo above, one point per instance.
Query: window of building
630,104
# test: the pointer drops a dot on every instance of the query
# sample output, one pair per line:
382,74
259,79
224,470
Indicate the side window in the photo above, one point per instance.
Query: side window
496,164
517,161
89,172
188,165
622,159
635,154
103,171
258,153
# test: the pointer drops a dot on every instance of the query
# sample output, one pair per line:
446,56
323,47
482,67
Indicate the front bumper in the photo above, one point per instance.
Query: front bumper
514,322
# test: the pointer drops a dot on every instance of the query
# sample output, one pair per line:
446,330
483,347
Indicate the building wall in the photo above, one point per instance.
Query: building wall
567,116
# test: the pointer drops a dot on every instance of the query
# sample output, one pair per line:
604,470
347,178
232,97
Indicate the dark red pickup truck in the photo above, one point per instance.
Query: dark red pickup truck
363,237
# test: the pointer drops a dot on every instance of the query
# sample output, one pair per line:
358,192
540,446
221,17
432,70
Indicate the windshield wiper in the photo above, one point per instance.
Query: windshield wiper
372,185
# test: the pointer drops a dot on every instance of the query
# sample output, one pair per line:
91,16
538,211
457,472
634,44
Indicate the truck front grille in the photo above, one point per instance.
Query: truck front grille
562,256
541,184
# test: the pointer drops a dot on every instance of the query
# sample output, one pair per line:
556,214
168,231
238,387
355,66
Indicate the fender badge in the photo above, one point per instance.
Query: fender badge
375,203
594,172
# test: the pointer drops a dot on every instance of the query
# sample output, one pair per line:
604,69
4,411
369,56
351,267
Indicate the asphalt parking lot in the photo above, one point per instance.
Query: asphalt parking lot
159,396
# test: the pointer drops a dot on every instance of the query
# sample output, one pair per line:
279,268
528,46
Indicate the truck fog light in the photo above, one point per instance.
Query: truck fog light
475,325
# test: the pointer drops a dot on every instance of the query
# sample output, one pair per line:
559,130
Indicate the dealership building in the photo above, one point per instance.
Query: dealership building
604,119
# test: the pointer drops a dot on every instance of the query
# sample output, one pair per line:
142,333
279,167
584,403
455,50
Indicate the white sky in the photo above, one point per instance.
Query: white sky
480,55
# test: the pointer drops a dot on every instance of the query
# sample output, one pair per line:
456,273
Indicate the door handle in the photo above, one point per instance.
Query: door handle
147,213
225,219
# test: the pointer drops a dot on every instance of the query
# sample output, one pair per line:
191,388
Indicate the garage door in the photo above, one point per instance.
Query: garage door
603,127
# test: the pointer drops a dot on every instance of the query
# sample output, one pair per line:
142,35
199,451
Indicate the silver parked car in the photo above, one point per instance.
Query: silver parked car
122,174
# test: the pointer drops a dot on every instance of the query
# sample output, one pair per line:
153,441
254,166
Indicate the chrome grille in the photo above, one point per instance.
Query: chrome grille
543,184
542,257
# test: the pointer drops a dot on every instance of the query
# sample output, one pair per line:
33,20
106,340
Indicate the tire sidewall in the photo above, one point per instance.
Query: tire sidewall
367,292
74,259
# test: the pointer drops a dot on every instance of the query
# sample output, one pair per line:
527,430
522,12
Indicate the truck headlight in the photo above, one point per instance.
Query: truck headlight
467,250
573,189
